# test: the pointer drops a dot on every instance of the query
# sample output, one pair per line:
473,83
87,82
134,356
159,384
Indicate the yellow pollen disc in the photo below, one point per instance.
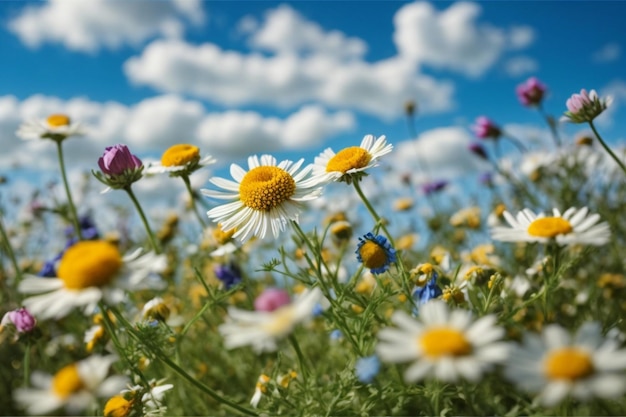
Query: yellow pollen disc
223,236
444,341
179,155
354,157
67,381
58,120
281,323
373,255
568,363
266,187
549,227
92,263
117,406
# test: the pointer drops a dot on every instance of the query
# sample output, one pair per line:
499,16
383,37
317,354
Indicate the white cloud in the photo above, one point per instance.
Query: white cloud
520,65
232,78
608,53
156,123
452,38
243,133
436,154
87,26
286,31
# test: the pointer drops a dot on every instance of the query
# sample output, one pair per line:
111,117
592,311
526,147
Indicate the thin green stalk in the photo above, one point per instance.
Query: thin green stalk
9,249
70,202
153,241
551,123
26,363
296,347
181,372
606,148
192,195
373,213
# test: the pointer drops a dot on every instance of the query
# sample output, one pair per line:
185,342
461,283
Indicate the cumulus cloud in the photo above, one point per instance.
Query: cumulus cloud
232,78
440,153
286,31
520,65
452,38
156,123
241,133
87,26
608,53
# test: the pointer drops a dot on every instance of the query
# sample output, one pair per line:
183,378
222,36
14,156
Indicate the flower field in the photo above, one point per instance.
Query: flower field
315,288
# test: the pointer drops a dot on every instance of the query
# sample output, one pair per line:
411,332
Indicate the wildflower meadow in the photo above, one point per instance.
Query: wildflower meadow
306,288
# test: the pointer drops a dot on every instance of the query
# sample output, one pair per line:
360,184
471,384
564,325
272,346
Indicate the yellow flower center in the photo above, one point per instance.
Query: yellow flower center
444,341
266,187
568,363
58,120
91,263
181,154
222,236
67,381
354,157
282,321
550,227
373,255
117,406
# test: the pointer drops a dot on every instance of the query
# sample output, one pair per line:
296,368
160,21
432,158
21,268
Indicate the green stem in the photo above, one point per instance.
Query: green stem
144,220
192,195
606,148
296,347
70,203
26,363
10,252
181,372
368,205
551,123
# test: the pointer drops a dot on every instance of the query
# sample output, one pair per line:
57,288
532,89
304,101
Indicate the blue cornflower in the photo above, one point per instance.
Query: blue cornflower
424,294
230,274
375,253
367,368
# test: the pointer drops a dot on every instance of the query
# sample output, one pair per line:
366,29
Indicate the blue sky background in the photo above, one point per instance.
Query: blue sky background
292,78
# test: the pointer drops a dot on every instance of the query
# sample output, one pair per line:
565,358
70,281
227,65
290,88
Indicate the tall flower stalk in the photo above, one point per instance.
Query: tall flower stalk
70,202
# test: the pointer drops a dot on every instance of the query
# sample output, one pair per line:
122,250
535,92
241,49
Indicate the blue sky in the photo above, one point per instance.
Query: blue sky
291,78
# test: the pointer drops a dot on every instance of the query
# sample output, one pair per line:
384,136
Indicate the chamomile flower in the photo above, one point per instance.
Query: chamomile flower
57,127
179,160
138,399
262,329
442,343
263,199
350,163
375,253
74,387
88,272
556,364
574,226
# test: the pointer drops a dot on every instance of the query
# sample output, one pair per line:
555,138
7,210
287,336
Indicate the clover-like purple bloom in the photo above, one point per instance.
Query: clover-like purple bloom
230,274
23,321
585,107
531,92
485,128
478,150
434,186
117,160
271,299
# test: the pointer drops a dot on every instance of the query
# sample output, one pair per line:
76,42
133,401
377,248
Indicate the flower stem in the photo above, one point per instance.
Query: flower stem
552,124
368,205
10,252
192,195
144,220
296,347
70,202
26,363
606,148
181,372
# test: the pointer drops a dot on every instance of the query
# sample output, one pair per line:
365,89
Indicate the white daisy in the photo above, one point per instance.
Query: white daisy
56,127
88,272
74,387
351,161
128,400
443,343
180,159
264,198
557,365
572,227
261,329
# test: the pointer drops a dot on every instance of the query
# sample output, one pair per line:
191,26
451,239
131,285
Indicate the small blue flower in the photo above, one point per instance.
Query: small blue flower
230,274
336,335
424,294
367,368
375,253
